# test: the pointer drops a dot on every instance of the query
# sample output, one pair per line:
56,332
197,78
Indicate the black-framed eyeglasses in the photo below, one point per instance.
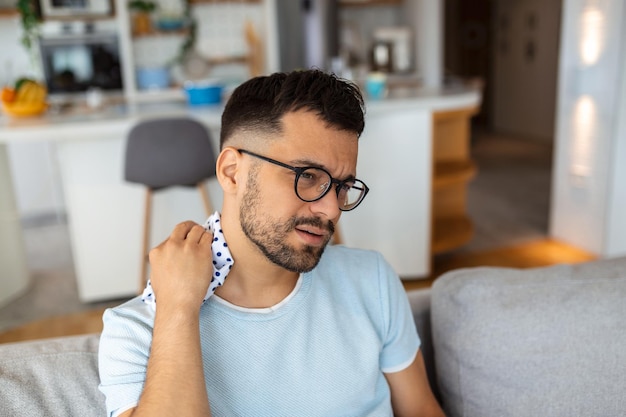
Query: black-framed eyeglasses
313,183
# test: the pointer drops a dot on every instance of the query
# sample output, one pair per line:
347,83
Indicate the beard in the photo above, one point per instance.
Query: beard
270,236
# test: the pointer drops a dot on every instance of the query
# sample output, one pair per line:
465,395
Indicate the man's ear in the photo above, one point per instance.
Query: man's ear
228,169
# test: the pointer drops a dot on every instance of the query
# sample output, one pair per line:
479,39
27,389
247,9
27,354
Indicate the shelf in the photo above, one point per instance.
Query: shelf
8,12
156,32
453,168
235,59
455,115
450,232
223,1
174,93
365,3
453,172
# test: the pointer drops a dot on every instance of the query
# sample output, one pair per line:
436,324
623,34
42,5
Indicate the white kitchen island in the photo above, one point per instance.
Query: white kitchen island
105,213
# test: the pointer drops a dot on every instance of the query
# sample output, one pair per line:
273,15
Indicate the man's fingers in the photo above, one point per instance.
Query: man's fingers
206,237
182,229
195,234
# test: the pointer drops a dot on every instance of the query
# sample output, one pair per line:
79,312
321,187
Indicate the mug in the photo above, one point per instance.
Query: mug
376,85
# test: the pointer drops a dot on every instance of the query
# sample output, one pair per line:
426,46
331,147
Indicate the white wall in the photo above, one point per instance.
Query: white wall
588,206
14,60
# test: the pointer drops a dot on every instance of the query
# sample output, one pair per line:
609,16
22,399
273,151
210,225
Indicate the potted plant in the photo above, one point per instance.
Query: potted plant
30,20
142,23
189,42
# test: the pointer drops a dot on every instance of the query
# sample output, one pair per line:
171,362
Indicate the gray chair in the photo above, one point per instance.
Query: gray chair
163,153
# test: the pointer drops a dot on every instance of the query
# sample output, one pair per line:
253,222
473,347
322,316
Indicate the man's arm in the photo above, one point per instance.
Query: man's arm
411,395
181,274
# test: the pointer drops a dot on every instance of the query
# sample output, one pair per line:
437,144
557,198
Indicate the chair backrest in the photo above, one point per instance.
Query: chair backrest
167,152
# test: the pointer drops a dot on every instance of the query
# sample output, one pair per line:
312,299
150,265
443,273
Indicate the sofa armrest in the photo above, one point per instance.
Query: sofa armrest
420,306
532,342
51,377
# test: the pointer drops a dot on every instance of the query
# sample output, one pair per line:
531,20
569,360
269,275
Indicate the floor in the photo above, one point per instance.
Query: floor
508,202
509,199
53,290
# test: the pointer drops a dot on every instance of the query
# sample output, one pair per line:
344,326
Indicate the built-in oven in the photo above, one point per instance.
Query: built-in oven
74,63
75,8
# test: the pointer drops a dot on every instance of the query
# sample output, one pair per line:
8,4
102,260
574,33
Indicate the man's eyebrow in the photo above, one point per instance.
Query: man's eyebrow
306,163
301,163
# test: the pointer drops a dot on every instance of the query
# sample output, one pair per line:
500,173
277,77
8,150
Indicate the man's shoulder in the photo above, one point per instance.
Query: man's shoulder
131,311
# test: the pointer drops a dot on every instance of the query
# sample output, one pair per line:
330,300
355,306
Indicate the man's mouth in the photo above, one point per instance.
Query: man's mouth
310,230
314,234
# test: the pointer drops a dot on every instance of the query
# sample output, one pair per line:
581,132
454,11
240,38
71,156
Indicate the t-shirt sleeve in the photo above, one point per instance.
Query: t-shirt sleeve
123,356
401,341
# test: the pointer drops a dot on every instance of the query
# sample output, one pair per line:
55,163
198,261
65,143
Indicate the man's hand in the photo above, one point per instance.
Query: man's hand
182,267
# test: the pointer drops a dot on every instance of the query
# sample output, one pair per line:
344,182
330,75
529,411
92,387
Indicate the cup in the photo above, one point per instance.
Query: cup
376,85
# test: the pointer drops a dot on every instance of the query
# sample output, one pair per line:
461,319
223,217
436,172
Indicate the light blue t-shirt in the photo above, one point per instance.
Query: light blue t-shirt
320,352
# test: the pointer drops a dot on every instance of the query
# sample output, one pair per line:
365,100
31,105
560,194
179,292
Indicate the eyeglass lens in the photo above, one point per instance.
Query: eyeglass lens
312,183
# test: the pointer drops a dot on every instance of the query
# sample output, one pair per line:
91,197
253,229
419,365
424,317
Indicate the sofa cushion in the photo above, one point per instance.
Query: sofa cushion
537,342
51,377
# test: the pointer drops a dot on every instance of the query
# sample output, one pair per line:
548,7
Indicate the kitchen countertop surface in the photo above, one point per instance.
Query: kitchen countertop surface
80,122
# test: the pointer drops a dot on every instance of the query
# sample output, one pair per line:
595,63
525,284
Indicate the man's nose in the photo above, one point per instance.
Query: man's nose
327,205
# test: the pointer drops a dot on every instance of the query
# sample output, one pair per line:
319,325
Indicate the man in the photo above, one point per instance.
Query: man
297,328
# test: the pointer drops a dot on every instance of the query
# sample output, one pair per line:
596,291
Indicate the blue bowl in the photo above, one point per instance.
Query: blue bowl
153,78
170,24
200,95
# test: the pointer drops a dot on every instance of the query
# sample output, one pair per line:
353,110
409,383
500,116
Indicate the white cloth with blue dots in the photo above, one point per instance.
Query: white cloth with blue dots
222,261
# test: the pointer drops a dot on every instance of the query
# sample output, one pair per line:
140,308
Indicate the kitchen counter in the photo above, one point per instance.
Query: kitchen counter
105,213
74,122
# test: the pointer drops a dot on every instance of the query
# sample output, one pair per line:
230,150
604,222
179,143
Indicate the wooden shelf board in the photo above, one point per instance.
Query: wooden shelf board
450,233
8,12
223,1
364,3
156,32
236,59
453,172
448,115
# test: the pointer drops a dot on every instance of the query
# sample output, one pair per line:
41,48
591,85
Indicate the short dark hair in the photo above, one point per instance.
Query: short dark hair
259,103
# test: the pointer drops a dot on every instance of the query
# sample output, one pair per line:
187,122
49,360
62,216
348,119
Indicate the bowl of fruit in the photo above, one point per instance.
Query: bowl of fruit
26,98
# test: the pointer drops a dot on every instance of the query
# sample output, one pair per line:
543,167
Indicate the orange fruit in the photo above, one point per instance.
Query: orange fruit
7,95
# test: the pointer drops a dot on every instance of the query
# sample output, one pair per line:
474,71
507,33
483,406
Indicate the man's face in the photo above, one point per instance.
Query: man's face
288,231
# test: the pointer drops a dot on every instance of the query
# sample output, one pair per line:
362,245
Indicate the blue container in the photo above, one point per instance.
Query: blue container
200,94
153,78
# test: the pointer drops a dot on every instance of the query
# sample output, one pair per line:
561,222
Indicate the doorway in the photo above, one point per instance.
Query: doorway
513,47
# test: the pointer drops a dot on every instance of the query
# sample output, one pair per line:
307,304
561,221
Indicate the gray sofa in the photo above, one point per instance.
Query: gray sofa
497,342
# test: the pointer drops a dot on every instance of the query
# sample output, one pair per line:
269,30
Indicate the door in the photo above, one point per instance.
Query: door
525,64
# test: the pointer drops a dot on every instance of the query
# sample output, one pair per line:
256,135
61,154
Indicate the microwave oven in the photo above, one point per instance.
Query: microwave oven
75,8
74,64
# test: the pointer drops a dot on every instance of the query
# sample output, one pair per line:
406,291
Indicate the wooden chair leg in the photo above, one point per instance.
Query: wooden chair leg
146,239
205,198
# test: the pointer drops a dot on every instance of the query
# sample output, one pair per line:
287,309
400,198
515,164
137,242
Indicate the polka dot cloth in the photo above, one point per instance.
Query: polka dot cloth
222,261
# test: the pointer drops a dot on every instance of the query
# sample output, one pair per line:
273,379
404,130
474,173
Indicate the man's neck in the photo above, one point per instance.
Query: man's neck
247,286
254,281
